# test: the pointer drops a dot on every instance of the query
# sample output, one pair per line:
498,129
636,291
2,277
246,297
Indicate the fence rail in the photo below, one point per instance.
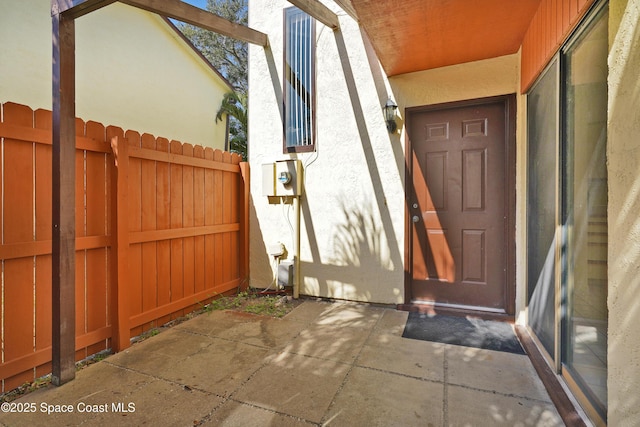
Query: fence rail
161,227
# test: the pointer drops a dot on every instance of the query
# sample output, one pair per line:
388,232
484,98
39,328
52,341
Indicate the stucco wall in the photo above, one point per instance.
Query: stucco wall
132,71
353,210
623,161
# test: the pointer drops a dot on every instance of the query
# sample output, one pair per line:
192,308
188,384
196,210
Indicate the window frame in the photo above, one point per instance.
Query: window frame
286,102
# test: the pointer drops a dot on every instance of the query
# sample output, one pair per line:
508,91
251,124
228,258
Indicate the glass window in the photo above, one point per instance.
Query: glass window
585,211
567,191
542,137
299,84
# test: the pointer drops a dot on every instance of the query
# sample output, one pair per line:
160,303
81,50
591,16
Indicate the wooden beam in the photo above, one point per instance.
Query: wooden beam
175,9
77,8
63,201
347,7
184,12
319,11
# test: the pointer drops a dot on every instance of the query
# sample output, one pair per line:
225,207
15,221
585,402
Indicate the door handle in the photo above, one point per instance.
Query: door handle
415,218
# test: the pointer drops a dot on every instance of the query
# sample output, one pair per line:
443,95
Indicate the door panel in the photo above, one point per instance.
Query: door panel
459,206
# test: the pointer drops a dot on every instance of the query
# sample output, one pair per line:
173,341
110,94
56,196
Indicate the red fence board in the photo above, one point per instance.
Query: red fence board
148,222
188,254
18,228
180,237
163,222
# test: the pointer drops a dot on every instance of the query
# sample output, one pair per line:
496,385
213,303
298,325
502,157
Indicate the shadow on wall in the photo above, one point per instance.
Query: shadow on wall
358,237
275,82
383,96
624,223
367,148
361,259
259,259
314,269
357,240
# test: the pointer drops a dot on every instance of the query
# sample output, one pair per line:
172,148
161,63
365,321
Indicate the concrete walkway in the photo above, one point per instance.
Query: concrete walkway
334,364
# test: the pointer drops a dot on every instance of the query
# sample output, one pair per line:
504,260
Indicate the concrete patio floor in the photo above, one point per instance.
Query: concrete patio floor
334,364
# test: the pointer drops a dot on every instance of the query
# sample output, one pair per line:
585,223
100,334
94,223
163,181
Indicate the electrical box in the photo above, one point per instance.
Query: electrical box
276,250
268,179
285,274
288,178
282,178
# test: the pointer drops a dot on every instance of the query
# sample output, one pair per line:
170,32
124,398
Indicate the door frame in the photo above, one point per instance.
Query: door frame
509,102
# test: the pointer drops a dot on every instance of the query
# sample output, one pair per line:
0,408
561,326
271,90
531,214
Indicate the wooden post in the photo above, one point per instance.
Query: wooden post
63,201
120,322
244,224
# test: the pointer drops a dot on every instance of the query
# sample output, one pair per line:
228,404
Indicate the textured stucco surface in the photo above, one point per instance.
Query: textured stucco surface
132,71
353,210
623,152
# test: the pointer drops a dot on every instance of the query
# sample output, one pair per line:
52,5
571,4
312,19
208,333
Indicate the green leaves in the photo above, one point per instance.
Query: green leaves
234,104
229,57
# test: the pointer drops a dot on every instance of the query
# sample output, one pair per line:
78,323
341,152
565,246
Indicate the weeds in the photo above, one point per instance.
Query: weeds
255,303
44,381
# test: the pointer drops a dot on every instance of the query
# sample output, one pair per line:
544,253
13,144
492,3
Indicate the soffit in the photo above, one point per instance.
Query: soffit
416,35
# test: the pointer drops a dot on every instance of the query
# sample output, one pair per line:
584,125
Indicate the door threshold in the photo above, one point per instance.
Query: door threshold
429,308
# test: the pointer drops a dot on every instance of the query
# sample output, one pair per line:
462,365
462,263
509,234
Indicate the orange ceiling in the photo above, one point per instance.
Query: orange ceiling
416,35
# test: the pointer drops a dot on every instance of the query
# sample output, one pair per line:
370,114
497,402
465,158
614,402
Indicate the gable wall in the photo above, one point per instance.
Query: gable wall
353,209
132,71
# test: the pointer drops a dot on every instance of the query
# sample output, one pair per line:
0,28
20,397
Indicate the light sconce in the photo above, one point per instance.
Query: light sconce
390,115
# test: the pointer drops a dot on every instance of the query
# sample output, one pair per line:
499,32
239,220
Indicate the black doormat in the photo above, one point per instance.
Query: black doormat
486,334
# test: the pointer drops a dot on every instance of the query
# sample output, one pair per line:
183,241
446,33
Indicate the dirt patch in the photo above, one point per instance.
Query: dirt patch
255,302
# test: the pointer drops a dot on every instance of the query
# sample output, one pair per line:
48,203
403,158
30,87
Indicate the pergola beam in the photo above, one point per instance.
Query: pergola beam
319,11
73,9
175,9
347,7
184,12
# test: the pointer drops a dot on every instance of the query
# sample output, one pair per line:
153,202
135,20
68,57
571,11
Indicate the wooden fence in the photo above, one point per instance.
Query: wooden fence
161,228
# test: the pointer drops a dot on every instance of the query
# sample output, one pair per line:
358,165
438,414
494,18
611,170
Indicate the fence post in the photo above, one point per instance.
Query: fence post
63,258
244,224
120,320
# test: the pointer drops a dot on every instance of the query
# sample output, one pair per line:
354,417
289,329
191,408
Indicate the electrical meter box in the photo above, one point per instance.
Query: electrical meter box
282,178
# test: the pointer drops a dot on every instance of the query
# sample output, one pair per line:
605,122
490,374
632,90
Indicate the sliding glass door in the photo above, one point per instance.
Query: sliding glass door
542,206
584,212
567,212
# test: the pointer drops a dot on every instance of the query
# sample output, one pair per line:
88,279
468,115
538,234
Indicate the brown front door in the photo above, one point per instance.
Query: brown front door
459,206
